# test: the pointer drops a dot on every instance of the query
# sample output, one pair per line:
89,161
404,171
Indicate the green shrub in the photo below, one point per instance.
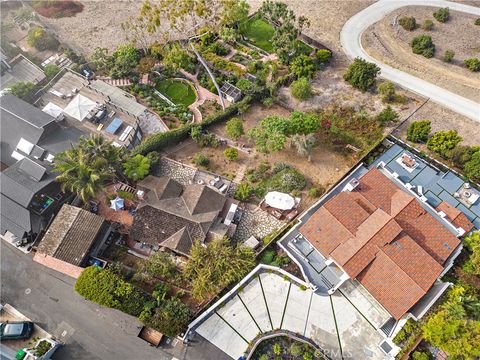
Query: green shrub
244,85
201,160
125,195
302,67
387,115
448,55
301,89
22,89
50,71
477,21
387,89
171,318
361,74
472,167
472,64
323,56
400,337
286,181
108,289
313,192
418,131
408,23
231,154
423,45
443,141
234,128
41,39
137,167
442,15
296,349
418,355
427,25
243,192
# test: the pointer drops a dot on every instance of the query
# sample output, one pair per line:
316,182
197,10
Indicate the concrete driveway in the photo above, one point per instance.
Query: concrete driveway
350,38
271,300
90,332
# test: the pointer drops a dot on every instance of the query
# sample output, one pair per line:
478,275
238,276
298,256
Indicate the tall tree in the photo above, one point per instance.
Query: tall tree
85,168
304,144
216,265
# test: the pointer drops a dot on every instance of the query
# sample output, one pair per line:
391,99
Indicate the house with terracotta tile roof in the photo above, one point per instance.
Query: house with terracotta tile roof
381,235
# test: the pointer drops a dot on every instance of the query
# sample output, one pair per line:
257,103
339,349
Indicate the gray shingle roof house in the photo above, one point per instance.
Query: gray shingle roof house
41,134
174,216
74,235
30,196
30,139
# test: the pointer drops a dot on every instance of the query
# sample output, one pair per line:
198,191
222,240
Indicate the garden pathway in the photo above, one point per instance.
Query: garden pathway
240,174
203,95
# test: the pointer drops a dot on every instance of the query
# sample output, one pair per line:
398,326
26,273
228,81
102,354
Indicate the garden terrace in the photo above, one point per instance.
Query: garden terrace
180,92
259,33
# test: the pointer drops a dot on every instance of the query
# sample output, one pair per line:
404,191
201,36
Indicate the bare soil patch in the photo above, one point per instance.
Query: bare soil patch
324,169
443,119
98,25
389,42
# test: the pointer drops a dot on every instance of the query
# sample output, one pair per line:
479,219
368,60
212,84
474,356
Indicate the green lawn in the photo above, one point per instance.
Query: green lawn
259,33
179,92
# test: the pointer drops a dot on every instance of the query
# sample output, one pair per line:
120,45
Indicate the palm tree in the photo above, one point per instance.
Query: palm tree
304,144
81,172
97,149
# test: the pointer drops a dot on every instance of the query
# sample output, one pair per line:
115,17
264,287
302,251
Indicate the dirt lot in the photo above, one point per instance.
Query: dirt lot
330,88
391,44
444,119
98,25
325,168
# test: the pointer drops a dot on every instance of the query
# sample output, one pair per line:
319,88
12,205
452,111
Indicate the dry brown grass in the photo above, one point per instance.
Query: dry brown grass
391,44
444,119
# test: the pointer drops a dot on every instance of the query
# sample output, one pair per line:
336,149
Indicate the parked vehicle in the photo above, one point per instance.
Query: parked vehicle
17,330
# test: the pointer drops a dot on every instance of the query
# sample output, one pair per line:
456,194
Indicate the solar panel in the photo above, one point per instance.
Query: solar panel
386,347
114,126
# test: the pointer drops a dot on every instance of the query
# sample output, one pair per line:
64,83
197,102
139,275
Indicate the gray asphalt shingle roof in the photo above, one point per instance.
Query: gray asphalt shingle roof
15,218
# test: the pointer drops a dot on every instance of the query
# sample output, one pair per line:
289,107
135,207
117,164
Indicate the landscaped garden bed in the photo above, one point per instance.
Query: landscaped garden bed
180,92
173,115
57,9
285,348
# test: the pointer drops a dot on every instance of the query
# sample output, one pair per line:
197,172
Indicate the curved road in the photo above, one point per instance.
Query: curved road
350,38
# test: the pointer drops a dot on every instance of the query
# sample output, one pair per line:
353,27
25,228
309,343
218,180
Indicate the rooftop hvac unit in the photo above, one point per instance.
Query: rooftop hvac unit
351,185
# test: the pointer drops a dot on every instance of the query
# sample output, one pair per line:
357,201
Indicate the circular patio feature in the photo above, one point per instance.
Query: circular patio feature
180,92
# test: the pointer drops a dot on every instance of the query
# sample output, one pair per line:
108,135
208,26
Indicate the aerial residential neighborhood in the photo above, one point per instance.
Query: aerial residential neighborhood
240,179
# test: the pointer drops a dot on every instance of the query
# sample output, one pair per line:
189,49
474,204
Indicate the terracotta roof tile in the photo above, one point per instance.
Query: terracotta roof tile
347,210
413,260
364,234
457,217
427,232
383,236
390,285
324,231
367,253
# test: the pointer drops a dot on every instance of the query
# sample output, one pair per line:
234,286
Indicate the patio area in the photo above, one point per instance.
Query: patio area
432,183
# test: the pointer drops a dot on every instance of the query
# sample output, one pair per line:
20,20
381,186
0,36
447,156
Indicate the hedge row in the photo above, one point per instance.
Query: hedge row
159,141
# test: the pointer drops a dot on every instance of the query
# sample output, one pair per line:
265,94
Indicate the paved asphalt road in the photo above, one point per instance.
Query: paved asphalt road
89,331
352,32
